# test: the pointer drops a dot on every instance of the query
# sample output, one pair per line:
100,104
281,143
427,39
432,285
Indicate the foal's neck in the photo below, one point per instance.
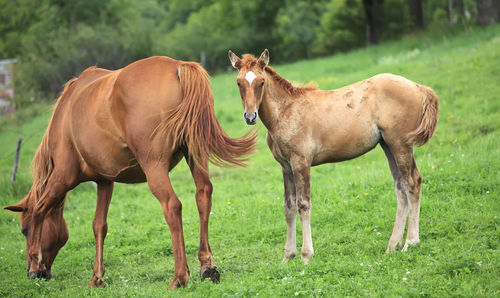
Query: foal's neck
274,100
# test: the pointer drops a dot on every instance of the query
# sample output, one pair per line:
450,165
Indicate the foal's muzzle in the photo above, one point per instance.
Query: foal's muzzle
250,119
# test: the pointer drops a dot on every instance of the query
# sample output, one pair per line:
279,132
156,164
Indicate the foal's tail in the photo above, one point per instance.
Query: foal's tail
194,125
430,108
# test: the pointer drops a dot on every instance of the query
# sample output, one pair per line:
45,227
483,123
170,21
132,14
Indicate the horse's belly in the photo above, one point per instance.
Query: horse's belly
132,174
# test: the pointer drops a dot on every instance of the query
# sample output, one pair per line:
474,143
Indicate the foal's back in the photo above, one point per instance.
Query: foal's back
347,122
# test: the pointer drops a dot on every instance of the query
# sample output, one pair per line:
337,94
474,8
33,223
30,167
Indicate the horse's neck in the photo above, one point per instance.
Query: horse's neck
273,102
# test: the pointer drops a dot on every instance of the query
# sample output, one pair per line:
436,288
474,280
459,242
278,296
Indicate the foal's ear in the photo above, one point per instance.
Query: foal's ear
264,58
235,60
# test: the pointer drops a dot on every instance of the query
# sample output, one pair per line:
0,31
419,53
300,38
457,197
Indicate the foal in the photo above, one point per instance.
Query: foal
130,125
308,127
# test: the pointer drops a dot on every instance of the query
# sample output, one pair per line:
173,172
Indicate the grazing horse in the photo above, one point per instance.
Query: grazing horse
129,125
308,127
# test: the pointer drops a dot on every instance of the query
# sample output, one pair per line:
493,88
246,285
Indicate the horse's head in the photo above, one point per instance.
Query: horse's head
251,80
54,233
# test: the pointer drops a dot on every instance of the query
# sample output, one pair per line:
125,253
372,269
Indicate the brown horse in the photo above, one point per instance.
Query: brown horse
130,125
308,127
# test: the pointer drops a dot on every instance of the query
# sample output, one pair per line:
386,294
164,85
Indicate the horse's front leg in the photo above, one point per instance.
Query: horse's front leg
204,202
54,194
290,207
100,226
301,177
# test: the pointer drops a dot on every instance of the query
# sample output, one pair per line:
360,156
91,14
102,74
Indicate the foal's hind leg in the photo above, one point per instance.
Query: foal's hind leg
408,181
290,207
100,226
402,210
415,182
204,202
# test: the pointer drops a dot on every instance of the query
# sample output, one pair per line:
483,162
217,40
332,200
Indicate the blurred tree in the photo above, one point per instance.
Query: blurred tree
416,14
295,29
488,12
456,11
342,27
373,14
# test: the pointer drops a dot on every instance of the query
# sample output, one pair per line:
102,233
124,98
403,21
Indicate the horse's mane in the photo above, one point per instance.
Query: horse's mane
249,60
43,163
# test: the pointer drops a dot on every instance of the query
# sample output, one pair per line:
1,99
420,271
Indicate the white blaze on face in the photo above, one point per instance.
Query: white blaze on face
250,76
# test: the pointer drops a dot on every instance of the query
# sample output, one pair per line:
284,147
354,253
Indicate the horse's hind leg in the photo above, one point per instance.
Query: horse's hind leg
100,226
204,203
407,180
160,186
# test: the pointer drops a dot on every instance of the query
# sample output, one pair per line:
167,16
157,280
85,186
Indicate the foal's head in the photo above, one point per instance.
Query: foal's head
54,232
251,80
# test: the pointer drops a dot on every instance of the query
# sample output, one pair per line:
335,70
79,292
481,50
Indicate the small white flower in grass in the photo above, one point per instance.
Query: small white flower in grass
296,293
21,251
479,263
487,192
404,279
2,248
303,272
378,233
361,264
408,272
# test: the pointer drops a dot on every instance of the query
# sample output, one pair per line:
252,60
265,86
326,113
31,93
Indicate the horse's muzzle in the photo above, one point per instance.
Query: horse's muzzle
251,119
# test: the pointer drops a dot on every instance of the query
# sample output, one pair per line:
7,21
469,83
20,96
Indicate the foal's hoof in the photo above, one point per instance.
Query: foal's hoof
44,274
210,272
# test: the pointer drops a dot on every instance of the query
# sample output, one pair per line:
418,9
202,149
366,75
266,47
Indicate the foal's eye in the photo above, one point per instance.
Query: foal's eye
238,83
24,231
261,84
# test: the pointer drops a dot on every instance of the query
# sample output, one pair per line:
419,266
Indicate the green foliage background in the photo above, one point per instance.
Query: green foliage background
54,40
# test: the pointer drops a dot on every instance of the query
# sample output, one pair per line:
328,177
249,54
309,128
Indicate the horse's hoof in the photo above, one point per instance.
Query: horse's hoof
175,284
96,283
210,272
44,274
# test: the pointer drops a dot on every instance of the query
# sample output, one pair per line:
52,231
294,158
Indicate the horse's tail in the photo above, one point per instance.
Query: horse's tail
193,123
430,108
43,163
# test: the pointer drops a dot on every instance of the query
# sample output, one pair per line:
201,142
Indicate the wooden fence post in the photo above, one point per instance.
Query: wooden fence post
16,160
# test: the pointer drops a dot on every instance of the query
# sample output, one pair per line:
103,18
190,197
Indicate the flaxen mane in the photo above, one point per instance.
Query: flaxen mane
249,60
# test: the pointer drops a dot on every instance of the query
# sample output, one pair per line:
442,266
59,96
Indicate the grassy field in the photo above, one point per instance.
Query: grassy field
353,202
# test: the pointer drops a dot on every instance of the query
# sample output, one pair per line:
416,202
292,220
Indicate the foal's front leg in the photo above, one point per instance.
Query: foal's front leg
100,226
290,207
301,174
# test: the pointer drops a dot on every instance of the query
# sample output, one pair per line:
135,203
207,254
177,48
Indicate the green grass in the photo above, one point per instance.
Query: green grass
353,202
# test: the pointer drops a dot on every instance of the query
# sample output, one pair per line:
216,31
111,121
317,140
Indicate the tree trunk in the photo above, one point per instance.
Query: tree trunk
416,14
488,12
373,14
456,11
